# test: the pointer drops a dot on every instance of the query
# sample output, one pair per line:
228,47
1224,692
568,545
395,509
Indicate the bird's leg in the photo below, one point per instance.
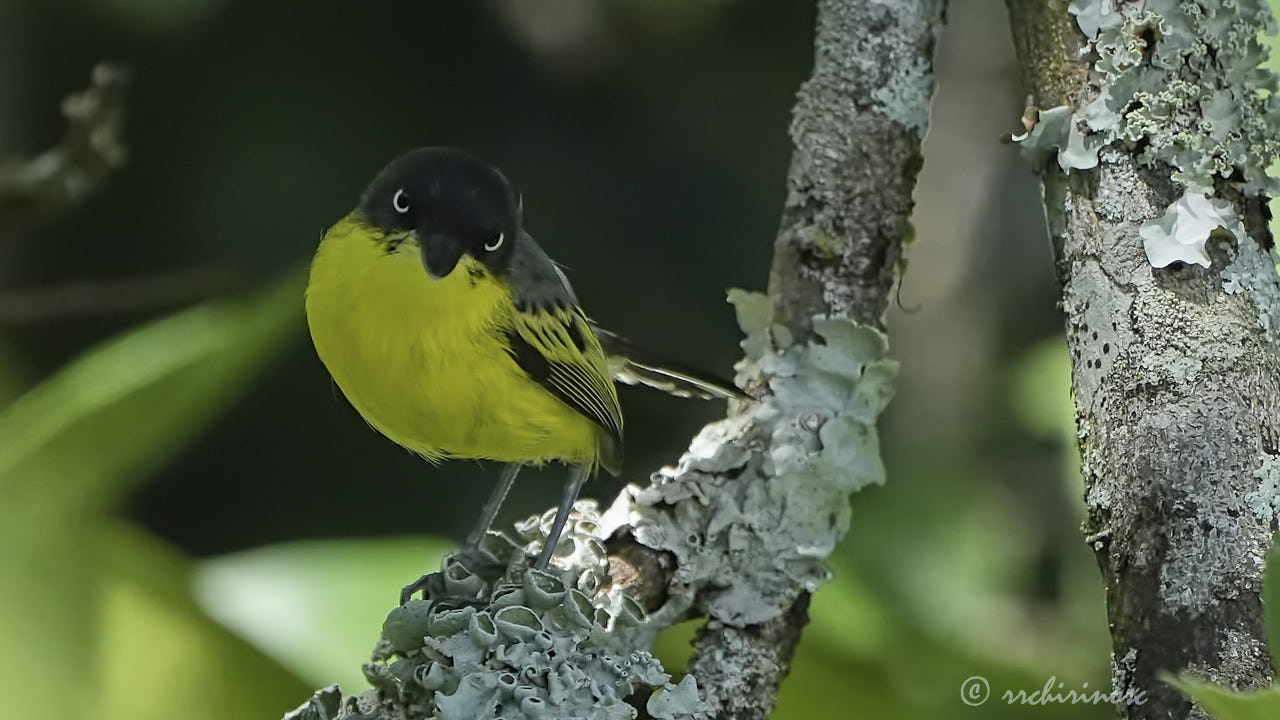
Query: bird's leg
491,507
577,476
431,584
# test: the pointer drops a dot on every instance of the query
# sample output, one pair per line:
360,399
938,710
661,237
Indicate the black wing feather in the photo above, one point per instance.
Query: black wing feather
632,364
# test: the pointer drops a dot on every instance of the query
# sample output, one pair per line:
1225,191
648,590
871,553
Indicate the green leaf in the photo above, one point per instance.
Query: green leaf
47,621
97,428
1227,704
316,606
11,374
74,444
158,651
98,622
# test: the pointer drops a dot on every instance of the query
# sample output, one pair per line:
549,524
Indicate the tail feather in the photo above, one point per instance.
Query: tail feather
634,365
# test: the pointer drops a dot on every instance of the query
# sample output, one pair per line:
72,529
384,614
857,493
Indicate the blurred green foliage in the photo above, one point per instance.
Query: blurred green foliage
157,651
190,519
316,606
90,609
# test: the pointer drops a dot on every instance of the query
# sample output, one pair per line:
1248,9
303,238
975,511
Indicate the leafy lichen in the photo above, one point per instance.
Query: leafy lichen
1179,83
1059,129
760,499
521,643
1183,81
1182,233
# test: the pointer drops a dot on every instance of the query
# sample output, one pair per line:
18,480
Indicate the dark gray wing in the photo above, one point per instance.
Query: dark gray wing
551,340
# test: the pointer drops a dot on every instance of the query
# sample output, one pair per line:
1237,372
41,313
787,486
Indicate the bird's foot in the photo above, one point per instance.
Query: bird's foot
430,585
433,591
466,577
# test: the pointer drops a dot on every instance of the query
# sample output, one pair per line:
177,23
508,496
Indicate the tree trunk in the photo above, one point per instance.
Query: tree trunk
1176,370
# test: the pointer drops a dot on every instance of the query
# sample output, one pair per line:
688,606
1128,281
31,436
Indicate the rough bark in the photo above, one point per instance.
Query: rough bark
1176,381
856,128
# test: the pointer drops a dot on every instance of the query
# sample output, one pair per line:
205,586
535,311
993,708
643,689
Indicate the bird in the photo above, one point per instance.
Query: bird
453,334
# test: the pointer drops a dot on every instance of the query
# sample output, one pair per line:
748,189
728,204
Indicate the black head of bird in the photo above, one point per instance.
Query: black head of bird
453,204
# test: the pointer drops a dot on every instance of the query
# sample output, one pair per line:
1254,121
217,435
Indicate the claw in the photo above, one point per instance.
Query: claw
467,561
430,585
432,588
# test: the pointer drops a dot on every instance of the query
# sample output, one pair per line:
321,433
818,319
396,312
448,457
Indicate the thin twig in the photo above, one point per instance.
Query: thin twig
96,298
92,148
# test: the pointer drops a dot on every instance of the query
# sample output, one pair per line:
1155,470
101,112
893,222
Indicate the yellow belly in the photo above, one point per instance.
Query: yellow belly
420,359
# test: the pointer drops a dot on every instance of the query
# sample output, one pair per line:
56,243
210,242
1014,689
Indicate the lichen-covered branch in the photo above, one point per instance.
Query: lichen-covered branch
1153,139
91,149
740,529
856,129
760,499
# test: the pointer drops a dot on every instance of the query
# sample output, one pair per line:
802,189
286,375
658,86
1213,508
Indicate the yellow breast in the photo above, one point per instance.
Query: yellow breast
422,360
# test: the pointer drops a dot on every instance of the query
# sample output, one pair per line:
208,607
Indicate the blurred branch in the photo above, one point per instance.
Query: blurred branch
109,297
1176,368
740,530
92,148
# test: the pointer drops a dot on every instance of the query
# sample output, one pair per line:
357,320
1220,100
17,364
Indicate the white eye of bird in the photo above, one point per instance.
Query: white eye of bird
495,243
400,201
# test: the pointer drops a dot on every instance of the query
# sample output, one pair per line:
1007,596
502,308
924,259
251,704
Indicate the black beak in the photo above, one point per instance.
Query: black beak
440,253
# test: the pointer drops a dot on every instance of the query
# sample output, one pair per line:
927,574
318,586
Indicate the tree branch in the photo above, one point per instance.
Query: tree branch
1172,327
856,129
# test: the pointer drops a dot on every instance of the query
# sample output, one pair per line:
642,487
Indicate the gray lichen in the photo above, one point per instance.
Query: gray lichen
1059,129
760,499
1250,271
1265,501
526,644
1179,82
905,99
1093,15
1123,670
1183,78
1212,553
898,77
1182,233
